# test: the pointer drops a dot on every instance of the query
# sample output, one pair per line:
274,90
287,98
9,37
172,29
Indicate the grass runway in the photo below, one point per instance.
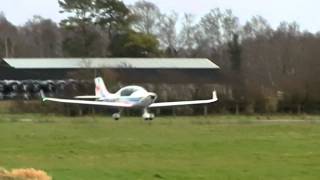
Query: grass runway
216,147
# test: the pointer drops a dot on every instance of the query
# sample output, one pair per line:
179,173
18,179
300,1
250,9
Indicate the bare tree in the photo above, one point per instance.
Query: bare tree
8,37
147,16
210,26
215,30
230,25
40,37
257,26
167,31
187,35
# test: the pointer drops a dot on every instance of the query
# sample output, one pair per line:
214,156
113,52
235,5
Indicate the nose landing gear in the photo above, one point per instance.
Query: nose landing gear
146,115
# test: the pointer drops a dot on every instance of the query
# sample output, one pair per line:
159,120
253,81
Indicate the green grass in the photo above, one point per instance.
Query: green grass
217,147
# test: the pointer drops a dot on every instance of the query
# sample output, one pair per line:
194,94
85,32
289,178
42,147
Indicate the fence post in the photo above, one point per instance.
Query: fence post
205,110
237,109
174,111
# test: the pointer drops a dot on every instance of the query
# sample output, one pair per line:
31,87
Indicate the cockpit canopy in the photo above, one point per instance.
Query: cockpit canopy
129,90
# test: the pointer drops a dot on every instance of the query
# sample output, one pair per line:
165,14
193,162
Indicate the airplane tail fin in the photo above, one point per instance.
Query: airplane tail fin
101,90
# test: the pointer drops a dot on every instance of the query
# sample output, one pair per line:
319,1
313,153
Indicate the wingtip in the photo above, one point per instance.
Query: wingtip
214,95
42,95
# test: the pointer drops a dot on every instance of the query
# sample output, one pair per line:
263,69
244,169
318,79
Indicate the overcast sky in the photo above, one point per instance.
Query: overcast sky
305,12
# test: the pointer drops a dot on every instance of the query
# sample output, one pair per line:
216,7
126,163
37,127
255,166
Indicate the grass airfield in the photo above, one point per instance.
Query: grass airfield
214,147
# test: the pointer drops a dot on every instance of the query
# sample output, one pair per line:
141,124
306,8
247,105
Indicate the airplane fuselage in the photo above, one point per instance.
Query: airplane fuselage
135,95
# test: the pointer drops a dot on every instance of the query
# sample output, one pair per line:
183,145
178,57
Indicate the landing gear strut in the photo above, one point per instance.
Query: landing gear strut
146,115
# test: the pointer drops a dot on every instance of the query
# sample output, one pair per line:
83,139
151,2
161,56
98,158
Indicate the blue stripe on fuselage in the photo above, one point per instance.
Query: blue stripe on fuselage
122,99
135,101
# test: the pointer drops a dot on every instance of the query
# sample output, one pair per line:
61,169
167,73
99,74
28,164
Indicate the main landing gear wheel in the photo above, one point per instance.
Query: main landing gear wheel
151,117
116,116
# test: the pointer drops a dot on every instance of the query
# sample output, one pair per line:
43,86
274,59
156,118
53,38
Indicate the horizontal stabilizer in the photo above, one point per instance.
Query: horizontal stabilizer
86,102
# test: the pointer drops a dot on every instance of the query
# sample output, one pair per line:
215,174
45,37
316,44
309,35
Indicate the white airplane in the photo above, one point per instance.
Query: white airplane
126,97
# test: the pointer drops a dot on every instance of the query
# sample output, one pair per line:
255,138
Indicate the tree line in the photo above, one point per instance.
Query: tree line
264,69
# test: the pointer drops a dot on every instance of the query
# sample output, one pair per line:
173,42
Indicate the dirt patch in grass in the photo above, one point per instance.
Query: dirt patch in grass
23,174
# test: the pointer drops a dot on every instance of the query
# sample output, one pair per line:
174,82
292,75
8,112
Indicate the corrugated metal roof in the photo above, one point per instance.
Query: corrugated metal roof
119,63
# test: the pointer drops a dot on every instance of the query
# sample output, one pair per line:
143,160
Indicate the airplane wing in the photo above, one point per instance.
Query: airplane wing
184,103
75,101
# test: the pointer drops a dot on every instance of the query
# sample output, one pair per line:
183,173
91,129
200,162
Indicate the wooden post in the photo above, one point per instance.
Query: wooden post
237,109
93,110
205,110
299,109
80,110
6,47
174,111
12,52
95,73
